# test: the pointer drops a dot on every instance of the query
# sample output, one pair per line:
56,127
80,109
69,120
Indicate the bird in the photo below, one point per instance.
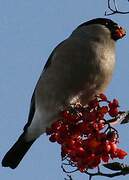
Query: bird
78,68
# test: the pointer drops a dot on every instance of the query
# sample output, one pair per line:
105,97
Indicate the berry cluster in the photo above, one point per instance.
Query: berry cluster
85,135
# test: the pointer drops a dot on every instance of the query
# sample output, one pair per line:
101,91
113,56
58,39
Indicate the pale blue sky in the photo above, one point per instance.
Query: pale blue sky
29,30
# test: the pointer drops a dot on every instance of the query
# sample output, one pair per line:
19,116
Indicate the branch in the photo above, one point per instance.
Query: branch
112,6
104,174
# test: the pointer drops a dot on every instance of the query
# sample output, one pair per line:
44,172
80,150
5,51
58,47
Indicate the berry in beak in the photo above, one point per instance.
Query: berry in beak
119,33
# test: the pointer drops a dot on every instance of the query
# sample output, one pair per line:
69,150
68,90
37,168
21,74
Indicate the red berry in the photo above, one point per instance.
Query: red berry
101,137
88,158
103,109
56,125
69,143
105,158
113,112
101,125
95,162
94,103
65,114
80,151
103,97
107,147
113,155
95,126
63,128
71,118
91,116
74,157
113,147
114,104
121,154
66,150
93,143
82,168
82,127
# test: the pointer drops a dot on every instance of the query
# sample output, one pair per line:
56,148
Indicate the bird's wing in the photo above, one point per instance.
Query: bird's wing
48,63
31,113
32,104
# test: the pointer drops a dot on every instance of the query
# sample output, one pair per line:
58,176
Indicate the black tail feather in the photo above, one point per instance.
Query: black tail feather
16,153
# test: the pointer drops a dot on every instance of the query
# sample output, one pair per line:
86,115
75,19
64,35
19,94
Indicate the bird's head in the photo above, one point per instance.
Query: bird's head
100,26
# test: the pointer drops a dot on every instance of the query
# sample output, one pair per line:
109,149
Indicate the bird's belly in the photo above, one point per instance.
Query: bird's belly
94,86
81,88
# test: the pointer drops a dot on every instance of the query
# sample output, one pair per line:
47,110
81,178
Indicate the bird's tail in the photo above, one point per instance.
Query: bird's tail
13,157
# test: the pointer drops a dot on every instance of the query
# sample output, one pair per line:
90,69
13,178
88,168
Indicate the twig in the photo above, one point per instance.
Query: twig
70,177
105,174
114,9
64,170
